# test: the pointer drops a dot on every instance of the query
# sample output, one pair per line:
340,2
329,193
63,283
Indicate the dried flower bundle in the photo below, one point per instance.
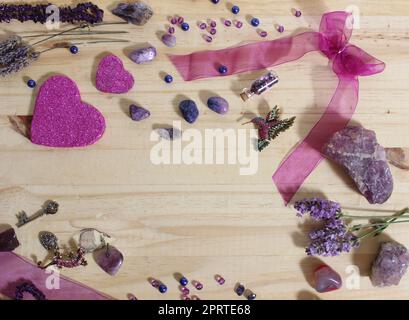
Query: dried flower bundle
336,236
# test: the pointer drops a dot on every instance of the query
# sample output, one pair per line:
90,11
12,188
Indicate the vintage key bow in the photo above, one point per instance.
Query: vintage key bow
348,62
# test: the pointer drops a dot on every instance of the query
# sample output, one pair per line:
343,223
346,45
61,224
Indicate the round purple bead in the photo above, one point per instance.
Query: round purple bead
207,38
174,20
212,31
213,24
171,30
227,23
181,20
280,29
238,24
297,13
203,26
263,34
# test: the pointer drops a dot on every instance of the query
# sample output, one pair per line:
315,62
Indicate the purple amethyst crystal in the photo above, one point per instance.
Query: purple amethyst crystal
8,240
357,149
109,258
138,113
189,110
390,265
218,104
137,12
169,40
143,55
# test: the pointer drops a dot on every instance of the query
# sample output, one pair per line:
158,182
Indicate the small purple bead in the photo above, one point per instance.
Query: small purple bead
174,20
185,291
198,285
297,13
238,24
207,38
227,23
203,26
212,31
155,283
181,20
213,24
280,29
171,30
263,34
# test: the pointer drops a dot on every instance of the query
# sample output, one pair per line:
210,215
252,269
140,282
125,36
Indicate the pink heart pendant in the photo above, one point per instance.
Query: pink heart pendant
61,119
112,77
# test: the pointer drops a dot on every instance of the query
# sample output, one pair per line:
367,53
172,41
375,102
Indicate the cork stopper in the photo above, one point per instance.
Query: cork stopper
245,95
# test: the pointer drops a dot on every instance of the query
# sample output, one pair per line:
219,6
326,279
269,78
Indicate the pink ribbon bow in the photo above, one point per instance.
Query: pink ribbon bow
348,62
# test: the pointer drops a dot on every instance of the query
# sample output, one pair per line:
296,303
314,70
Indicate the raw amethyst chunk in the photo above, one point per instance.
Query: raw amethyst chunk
138,113
143,55
357,149
8,240
137,13
109,258
390,265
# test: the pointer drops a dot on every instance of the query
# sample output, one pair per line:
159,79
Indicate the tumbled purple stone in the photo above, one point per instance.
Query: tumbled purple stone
143,55
169,40
138,113
357,149
137,12
8,240
326,279
110,259
390,265
218,104
189,110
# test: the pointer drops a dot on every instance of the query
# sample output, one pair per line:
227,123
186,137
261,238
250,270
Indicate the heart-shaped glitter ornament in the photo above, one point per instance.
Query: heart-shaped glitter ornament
112,77
61,119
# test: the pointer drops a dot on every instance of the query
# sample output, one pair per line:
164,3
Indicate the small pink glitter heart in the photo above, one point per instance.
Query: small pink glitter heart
112,77
61,119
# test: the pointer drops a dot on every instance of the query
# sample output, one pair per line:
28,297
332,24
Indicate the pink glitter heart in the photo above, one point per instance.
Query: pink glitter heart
61,119
112,77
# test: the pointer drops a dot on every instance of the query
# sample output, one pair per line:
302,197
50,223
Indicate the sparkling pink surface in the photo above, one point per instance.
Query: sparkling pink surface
16,270
112,77
61,119
348,62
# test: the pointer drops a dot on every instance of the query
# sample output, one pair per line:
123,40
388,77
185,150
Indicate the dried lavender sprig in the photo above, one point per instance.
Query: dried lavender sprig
83,12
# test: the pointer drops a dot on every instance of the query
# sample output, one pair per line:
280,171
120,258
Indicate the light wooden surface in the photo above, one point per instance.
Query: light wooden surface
201,220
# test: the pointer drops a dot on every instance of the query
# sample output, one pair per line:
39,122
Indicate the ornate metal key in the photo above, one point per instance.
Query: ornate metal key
50,207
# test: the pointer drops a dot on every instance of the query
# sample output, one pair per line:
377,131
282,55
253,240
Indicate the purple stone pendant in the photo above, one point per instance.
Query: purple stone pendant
326,279
109,258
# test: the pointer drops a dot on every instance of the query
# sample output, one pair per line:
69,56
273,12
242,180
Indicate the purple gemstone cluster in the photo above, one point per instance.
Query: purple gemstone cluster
83,12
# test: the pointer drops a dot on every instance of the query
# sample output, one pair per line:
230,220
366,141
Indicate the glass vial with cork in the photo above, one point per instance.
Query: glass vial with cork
260,86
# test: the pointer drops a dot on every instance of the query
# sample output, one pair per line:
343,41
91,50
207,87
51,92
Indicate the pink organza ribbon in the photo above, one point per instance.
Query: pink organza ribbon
16,270
348,62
